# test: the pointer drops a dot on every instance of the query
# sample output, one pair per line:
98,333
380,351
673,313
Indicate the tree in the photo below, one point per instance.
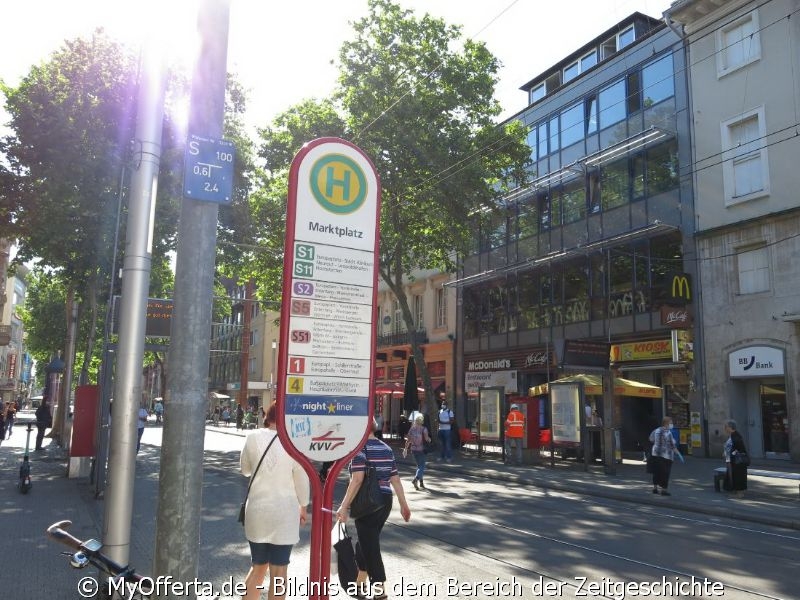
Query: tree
69,160
422,108
43,317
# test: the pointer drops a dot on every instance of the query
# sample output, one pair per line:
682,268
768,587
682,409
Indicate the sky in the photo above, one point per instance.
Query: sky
282,51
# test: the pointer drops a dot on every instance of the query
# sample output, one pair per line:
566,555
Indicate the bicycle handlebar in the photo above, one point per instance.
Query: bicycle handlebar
56,532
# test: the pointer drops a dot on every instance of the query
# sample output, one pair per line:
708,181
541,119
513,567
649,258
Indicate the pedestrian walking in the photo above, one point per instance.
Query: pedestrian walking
375,454
44,420
276,506
734,451
159,410
226,416
417,436
514,432
11,414
446,420
663,453
141,422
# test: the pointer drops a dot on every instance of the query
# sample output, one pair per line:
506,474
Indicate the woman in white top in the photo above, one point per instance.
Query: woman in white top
280,489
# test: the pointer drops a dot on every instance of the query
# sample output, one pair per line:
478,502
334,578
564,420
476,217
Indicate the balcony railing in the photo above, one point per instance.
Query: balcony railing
402,338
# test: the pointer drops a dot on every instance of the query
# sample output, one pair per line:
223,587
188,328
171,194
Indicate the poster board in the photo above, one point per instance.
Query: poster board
489,414
566,408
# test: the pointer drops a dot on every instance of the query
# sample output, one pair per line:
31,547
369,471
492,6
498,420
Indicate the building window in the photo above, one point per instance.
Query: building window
573,201
251,366
542,135
419,312
543,205
554,134
537,93
662,168
614,180
618,42
657,81
612,104
745,169
572,125
738,44
753,270
625,38
531,139
528,220
441,307
398,324
591,114
588,61
571,71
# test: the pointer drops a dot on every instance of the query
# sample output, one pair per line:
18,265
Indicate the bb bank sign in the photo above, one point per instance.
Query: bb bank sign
756,361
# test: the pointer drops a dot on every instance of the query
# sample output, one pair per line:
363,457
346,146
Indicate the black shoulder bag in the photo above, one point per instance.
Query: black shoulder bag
250,484
369,498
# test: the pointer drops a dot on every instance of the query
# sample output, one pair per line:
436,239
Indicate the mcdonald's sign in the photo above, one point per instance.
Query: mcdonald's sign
680,288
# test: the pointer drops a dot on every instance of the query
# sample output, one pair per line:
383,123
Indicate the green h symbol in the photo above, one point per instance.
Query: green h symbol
331,181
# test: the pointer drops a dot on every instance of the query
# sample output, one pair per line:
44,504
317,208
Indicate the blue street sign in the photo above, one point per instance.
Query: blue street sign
208,170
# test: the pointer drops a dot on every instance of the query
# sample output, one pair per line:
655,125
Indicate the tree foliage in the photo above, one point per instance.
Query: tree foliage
68,166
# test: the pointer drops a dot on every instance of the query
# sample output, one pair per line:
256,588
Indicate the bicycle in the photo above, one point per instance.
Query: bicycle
115,581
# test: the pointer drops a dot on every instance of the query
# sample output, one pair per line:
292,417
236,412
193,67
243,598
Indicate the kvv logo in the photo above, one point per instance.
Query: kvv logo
327,441
338,184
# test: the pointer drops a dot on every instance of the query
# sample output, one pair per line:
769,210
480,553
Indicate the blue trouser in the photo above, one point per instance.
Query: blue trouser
444,438
419,457
518,443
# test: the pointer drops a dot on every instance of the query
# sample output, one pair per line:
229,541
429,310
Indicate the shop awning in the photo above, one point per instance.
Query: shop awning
217,396
593,386
393,388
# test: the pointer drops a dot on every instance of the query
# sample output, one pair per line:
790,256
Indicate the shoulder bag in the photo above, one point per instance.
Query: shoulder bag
741,459
369,498
250,484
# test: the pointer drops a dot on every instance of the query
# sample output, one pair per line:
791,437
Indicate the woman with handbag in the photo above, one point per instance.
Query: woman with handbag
278,489
663,453
377,456
416,439
736,459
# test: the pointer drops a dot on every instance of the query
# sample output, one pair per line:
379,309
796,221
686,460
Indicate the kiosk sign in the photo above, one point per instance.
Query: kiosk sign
325,371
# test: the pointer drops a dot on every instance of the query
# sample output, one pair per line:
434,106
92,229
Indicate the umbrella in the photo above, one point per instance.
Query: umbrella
392,388
410,391
593,386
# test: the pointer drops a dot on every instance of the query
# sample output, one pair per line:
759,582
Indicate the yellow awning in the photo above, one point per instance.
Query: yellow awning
593,386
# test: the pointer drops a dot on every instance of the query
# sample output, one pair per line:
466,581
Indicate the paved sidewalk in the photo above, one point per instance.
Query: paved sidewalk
768,501
53,497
